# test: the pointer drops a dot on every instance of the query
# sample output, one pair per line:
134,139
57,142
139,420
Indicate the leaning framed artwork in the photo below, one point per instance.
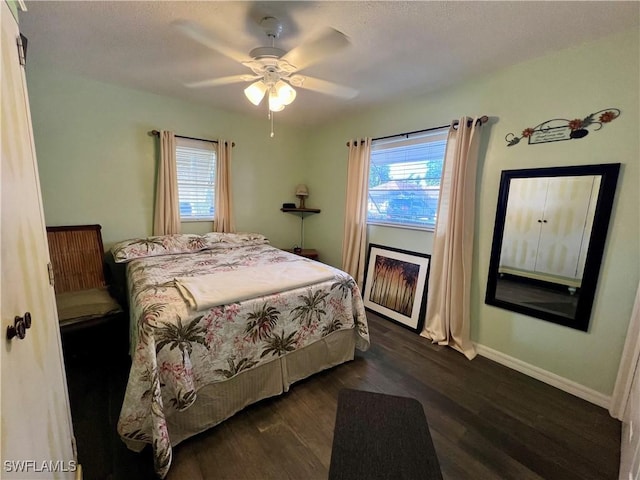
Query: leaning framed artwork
395,285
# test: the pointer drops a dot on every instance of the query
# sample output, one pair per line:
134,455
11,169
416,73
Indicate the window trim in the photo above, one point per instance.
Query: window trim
405,140
205,145
379,223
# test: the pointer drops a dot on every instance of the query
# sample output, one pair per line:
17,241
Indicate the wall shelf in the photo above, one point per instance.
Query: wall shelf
301,212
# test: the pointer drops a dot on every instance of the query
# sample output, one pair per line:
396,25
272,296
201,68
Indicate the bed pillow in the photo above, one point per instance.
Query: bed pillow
181,243
215,239
159,245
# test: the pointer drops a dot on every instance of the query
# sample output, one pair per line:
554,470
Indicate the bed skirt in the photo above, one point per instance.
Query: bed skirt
217,402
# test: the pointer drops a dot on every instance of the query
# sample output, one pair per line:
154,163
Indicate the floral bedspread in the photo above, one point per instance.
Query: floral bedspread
176,350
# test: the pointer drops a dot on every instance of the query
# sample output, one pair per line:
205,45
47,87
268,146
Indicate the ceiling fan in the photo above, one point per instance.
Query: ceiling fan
275,70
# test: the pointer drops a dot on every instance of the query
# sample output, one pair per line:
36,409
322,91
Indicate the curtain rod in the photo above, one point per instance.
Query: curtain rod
156,133
482,119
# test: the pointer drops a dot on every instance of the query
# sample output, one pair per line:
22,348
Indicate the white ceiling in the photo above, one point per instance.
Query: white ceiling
397,48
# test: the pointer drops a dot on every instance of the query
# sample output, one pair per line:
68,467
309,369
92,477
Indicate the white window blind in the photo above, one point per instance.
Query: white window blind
404,179
196,164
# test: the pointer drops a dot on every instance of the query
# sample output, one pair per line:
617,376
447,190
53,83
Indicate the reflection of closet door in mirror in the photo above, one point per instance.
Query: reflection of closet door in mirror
521,229
563,236
547,226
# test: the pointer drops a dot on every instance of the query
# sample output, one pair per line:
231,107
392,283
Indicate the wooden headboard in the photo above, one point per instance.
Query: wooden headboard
77,257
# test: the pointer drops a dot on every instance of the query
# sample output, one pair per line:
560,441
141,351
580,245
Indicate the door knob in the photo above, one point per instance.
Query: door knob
19,327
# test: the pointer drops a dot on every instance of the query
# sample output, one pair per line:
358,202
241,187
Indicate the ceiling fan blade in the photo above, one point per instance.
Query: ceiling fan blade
323,86
202,36
316,49
214,82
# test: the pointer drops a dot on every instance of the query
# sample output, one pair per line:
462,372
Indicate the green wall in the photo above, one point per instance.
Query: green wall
97,161
567,84
97,166
14,7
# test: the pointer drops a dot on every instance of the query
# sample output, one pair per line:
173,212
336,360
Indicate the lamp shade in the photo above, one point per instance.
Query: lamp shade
286,94
255,92
275,104
302,191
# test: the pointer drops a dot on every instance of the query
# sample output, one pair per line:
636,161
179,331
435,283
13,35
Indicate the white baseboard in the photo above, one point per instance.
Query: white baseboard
552,379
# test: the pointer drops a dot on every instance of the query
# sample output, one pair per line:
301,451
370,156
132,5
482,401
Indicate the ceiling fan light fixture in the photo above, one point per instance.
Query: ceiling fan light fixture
286,94
255,92
275,103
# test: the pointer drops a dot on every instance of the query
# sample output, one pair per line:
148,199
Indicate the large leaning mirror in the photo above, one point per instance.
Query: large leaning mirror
549,237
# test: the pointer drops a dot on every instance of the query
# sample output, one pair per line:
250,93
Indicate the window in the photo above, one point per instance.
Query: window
196,164
404,179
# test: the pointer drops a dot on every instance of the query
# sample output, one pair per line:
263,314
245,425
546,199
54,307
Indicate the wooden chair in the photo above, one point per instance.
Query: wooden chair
77,257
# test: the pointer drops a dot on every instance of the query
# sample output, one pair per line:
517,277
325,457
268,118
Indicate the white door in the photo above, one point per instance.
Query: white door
36,430
563,225
545,225
625,401
523,223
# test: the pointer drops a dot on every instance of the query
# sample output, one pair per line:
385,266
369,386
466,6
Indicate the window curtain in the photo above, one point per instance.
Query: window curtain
223,218
355,223
448,304
166,218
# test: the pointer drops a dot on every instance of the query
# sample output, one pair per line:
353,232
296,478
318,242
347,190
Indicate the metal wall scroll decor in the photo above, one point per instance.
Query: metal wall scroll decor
563,129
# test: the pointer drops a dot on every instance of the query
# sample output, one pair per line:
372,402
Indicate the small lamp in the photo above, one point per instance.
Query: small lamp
302,192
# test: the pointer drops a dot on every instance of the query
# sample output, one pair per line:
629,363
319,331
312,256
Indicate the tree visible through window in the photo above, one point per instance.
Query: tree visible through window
404,179
196,165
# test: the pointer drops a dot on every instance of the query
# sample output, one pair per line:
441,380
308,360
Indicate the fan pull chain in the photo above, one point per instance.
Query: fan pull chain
270,117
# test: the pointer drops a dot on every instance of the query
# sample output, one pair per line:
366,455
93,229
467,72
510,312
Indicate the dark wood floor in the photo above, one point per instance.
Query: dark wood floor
486,421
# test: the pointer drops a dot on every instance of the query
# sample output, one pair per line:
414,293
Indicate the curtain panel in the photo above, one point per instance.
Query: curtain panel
449,299
223,213
166,218
355,223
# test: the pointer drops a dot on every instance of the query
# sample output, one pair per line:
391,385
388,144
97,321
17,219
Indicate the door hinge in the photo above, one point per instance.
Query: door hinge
22,49
51,278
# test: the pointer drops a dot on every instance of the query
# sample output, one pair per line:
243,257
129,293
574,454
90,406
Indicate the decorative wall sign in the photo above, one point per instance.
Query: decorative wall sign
562,129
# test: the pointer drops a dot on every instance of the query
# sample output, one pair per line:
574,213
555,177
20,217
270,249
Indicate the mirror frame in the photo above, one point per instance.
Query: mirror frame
604,206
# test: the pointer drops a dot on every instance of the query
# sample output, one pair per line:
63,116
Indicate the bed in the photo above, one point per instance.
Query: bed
220,321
